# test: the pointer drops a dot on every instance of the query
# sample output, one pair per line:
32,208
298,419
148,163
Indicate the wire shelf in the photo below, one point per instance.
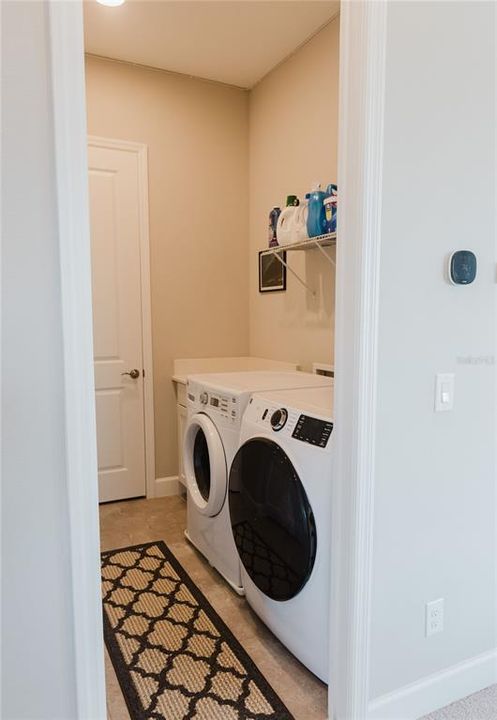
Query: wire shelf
310,244
315,243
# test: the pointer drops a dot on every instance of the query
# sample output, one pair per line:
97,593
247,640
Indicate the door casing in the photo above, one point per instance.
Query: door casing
360,146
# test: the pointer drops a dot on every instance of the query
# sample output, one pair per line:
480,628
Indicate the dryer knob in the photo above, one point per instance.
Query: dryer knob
278,419
204,398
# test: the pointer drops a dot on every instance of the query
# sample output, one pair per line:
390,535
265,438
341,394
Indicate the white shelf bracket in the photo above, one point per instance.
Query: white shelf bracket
280,259
323,251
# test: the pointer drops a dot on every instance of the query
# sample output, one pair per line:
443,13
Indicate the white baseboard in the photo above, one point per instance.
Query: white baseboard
167,486
435,691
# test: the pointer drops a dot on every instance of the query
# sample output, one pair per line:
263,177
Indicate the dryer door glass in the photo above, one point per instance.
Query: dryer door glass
272,520
201,464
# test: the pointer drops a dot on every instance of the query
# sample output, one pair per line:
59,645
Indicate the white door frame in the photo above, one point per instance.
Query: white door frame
140,150
363,28
362,42
71,162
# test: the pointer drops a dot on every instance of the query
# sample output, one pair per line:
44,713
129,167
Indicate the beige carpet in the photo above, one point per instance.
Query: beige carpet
480,706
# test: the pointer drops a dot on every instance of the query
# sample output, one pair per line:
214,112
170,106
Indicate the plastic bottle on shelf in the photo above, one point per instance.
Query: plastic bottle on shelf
315,215
330,208
300,221
285,230
273,222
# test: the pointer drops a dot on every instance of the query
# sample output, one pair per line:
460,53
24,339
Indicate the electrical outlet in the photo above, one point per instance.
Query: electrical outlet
434,617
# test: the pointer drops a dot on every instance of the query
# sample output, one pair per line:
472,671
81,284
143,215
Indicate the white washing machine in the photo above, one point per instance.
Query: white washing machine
215,406
280,502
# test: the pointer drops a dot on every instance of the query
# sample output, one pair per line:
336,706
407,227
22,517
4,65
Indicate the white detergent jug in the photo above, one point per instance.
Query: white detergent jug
300,222
285,230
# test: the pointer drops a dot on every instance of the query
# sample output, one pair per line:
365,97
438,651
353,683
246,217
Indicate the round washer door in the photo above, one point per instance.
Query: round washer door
205,465
272,520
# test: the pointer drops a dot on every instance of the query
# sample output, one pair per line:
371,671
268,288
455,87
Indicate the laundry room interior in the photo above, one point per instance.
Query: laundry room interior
213,131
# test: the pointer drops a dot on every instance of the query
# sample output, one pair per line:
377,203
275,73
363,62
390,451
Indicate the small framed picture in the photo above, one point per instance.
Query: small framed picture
272,274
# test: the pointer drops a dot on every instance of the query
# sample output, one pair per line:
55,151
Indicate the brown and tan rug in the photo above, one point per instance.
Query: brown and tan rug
174,657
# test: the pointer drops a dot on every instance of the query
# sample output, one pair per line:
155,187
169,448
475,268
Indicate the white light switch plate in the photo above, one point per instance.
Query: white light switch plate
444,392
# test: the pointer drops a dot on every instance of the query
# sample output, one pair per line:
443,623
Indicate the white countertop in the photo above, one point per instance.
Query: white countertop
181,379
189,366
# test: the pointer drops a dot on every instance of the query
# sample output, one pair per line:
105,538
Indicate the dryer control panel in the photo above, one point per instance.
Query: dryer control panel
290,422
312,430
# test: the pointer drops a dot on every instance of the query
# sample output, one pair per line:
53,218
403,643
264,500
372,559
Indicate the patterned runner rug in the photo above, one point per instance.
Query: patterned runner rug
174,657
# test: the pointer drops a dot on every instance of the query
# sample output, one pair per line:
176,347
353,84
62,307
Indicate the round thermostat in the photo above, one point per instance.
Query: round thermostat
462,267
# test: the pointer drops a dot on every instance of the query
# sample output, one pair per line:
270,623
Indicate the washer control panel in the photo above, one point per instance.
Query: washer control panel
312,431
223,405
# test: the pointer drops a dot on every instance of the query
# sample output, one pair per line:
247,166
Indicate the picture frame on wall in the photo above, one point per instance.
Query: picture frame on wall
272,273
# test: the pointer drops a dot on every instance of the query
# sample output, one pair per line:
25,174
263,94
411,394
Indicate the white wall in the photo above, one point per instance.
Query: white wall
435,484
37,648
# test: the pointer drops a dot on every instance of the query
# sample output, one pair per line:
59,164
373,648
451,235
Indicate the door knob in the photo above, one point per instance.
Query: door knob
134,374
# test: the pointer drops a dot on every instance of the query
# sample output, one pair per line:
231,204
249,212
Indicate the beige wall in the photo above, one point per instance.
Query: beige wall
293,142
201,138
197,138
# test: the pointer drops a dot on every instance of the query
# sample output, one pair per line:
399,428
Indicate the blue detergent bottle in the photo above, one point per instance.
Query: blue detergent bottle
330,208
316,219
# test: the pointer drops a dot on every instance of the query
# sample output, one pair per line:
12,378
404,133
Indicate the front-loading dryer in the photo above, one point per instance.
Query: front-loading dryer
215,406
280,505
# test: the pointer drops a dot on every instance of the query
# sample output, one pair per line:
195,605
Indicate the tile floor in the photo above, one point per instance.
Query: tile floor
136,521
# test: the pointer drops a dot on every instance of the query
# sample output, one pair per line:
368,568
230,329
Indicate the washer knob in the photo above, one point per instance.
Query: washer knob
204,398
278,419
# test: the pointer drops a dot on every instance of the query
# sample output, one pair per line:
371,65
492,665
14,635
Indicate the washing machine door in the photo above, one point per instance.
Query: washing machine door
272,520
205,465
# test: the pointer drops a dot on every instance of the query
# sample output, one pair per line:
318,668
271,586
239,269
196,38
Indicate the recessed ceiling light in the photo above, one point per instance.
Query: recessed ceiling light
111,3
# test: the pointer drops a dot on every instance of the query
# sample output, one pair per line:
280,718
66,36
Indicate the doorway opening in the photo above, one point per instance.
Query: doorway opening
230,147
211,145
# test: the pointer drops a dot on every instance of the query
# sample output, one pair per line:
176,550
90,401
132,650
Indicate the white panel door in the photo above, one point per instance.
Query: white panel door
117,322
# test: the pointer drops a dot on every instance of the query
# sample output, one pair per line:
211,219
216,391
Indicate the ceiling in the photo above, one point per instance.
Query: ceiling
230,41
